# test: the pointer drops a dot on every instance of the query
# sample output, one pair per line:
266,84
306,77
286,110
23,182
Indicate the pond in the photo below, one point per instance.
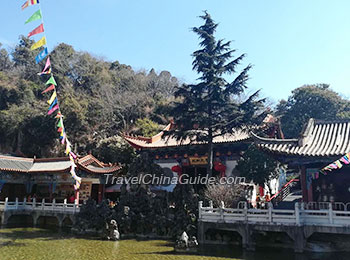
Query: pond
43,244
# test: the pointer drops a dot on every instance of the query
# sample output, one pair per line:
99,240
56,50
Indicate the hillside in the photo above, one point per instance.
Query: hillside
98,99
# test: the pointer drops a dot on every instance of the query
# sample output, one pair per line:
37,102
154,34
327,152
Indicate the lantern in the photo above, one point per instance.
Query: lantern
218,166
177,169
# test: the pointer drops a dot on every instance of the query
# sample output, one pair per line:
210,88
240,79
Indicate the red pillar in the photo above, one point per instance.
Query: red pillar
101,190
76,196
303,184
309,193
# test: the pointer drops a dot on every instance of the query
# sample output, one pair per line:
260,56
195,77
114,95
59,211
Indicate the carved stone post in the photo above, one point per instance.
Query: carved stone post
297,214
330,213
269,205
200,206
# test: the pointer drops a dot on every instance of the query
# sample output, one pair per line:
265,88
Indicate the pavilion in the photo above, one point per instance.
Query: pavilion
190,157
50,178
320,143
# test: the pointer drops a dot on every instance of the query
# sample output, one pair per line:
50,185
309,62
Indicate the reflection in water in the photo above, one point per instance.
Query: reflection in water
37,244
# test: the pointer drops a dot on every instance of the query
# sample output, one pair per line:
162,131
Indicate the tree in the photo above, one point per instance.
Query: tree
97,98
5,61
257,166
146,127
116,150
213,105
310,101
230,194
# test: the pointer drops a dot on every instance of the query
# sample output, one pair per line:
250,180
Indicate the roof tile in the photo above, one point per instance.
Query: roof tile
319,138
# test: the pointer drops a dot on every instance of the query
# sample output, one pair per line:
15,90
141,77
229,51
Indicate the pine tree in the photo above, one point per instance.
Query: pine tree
212,107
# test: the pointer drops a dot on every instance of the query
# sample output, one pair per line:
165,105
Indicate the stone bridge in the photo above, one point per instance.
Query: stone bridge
299,224
60,211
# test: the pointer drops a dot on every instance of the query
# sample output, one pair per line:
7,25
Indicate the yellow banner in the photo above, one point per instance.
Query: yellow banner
39,43
54,95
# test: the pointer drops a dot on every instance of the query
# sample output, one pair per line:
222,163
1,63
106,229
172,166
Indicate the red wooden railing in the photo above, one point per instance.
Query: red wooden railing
284,191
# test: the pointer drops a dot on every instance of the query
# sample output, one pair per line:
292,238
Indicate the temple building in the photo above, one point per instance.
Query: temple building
190,157
320,143
50,178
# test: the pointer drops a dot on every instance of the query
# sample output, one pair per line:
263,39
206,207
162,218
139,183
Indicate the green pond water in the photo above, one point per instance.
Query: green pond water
37,244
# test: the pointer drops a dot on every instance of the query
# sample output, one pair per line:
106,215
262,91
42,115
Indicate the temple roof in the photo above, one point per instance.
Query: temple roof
319,138
30,165
17,164
51,165
157,141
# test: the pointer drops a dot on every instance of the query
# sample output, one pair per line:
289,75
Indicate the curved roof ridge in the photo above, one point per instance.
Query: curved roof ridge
273,140
17,158
319,138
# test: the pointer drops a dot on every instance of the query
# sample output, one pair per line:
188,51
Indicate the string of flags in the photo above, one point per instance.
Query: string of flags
332,166
50,85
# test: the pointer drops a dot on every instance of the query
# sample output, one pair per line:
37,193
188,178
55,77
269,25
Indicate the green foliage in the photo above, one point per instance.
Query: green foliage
310,101
115,149
98,99
212,106
143,164
146,127
257,166
5,61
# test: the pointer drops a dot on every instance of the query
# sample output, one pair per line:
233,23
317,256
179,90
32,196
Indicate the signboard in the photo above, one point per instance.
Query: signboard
198,160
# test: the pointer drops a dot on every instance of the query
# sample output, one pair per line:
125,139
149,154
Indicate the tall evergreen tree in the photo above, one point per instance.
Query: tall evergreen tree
212,107
316,101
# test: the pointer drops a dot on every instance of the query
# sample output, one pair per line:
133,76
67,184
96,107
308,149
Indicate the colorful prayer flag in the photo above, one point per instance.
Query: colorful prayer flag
54,95
345,159
73,155
39,43
53,103
52,87
45,72
37,30
36,16
333,165
47,64
53,109
60,123
25,5
68,148
41,55
51,81
63,137
29,2
59,115
338,163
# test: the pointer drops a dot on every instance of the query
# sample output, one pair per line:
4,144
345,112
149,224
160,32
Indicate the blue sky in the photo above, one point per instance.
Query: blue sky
289,43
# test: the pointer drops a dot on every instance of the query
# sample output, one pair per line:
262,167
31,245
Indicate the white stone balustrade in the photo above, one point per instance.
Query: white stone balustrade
33,205
299,216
